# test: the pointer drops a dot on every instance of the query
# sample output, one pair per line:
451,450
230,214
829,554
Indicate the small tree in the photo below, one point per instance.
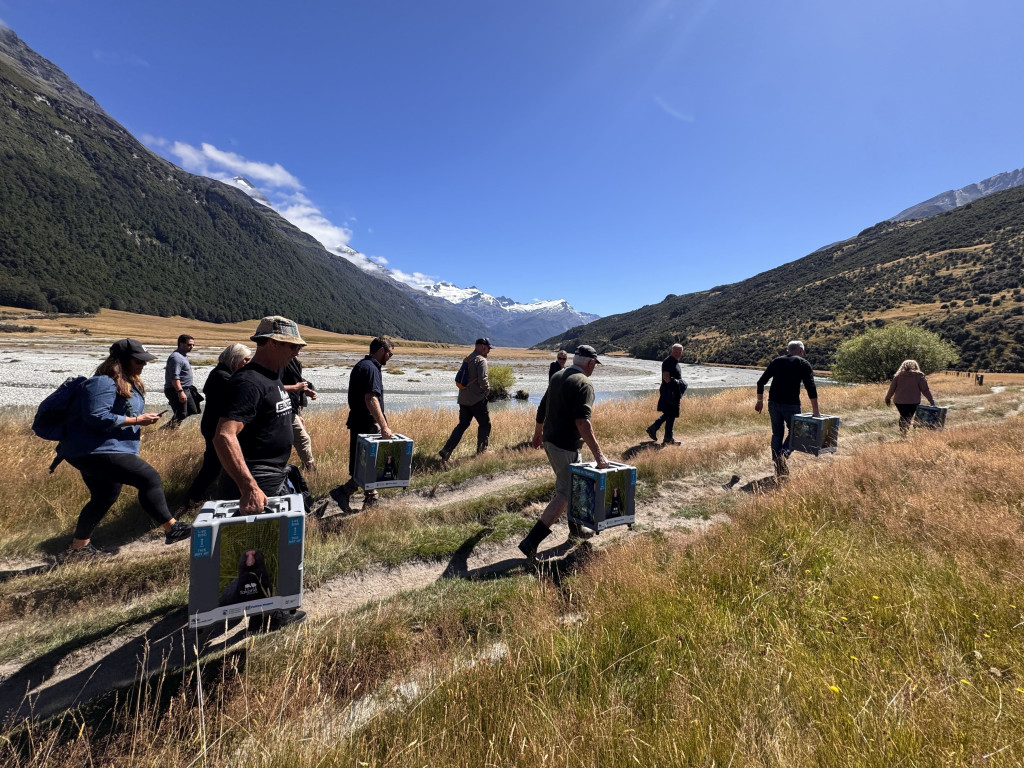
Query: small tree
877,354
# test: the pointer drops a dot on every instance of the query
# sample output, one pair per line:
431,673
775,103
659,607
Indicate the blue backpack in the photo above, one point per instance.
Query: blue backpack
52,414
462,380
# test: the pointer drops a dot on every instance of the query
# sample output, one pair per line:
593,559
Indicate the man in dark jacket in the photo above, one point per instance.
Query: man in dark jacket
786,373
669,395
473,402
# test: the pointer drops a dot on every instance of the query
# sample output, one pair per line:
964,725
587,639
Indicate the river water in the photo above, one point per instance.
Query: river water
31,369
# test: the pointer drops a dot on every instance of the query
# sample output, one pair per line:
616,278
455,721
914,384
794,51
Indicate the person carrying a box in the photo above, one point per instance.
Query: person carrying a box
365,413
563,426
906,389
786,373
254,434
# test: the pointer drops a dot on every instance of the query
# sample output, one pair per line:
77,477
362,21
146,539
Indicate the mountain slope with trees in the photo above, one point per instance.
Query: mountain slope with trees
958,274
90,218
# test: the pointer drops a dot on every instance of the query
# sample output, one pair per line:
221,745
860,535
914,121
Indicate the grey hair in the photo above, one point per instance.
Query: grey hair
580,360
677,346
794,345
233,355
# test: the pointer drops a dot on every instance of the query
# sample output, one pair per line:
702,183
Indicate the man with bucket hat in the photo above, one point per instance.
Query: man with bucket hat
254,436
563,426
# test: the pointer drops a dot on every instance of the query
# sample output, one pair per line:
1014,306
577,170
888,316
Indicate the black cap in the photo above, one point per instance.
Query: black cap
585,350
486,341
126,348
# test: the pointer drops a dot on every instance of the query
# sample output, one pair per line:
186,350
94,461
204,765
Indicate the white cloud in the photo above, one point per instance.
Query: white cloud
207,160
414,279
672,112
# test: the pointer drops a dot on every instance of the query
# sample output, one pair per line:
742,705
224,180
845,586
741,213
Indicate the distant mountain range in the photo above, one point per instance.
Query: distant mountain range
91,218
947,201
959,273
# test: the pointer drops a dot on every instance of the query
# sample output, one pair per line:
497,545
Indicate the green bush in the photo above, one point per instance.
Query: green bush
877,354
502,380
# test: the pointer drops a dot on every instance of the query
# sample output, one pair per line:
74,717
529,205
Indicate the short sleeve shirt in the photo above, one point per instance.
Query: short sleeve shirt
364,380
570,396
178,367
256,397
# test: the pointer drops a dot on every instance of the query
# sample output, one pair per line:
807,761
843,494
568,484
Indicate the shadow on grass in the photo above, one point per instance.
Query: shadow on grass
554,563
636,450
31,571
166,645
764,485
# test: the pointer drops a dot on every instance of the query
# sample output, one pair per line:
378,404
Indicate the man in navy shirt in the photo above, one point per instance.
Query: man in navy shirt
365,413
254,436
786,373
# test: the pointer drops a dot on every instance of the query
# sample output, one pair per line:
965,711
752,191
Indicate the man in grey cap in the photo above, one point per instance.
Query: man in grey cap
254,436
473,401
563,426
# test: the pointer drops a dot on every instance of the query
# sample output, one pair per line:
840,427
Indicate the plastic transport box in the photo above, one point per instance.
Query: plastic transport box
383,463
814,434
245,565
602,498
931,416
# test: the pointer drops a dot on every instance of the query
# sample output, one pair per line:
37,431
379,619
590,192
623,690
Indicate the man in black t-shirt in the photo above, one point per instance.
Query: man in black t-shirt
563,426
786,373
365,413
254,436
669,395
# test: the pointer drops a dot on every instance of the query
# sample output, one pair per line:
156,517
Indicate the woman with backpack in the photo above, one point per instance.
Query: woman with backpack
102,442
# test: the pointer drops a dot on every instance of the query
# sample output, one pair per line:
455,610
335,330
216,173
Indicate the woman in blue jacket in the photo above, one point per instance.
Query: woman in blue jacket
102,443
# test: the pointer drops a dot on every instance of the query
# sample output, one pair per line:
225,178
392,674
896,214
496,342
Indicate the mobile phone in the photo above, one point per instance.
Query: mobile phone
163,412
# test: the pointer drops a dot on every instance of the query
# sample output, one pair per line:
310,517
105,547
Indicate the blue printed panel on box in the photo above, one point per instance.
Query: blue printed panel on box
245,565
814,434
602,498
931,416
383,463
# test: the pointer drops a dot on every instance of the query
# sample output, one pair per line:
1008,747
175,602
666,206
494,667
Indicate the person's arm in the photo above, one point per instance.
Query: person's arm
225,441
760,387
538,430
586,430
891,392
481,372
176,380
373,406
926,391
814,406
665,378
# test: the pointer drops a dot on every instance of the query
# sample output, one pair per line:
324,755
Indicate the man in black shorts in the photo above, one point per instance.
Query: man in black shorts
365,413
563,425
669,395
786,372
254,436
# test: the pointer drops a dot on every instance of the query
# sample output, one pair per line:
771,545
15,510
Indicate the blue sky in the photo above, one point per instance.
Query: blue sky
603,151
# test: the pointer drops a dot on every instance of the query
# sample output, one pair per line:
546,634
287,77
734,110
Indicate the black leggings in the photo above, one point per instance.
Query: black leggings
906,414
104,474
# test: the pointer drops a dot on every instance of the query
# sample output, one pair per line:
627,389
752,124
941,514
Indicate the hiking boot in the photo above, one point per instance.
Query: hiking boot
652,433
446,458
179,532
537,534
370,499
82,555
671,441
343,494
781,467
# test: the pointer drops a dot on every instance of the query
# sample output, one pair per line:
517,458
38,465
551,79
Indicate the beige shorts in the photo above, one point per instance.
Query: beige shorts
560,460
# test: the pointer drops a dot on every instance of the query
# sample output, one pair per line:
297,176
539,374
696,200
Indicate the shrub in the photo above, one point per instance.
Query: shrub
877,354
502,380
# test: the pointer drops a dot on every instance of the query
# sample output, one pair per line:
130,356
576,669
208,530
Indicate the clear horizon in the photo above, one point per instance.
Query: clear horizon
604,152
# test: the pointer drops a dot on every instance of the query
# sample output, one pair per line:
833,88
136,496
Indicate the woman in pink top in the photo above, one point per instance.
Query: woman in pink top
906,389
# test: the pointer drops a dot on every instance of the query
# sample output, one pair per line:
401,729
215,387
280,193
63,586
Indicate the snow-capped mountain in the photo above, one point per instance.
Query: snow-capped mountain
510,322
954,198
469,312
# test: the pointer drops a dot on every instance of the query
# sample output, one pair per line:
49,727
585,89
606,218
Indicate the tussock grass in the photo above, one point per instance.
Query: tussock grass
868,614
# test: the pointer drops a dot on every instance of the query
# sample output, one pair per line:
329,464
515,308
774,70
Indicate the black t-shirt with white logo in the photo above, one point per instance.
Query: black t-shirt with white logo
256,397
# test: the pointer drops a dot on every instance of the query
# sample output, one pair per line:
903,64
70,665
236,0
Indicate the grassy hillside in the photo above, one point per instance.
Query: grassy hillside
959,274
90,218
866,614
